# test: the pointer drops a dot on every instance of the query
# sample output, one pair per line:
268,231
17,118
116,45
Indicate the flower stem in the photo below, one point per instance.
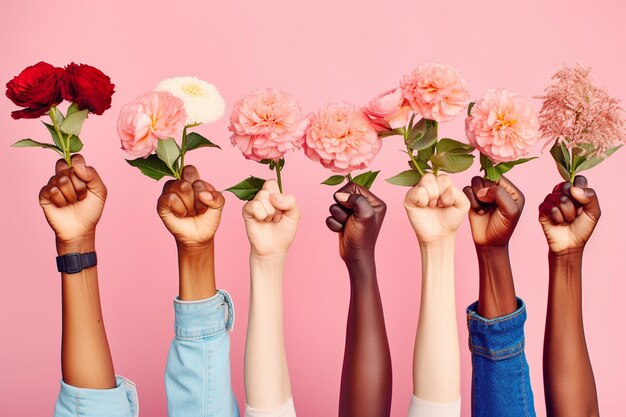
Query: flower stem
66,146
415,164
183,149
278,177
349,176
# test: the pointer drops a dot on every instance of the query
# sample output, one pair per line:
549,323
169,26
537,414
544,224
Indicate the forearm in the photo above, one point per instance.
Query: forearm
568,375
436,362
366,380
85,356
196,269
496,294
266,372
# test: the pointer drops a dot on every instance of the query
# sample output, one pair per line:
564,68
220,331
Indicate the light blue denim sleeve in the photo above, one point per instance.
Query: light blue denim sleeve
500,375
120,401
197,375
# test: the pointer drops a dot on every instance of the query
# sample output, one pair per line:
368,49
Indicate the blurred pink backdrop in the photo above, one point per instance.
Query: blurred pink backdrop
320,51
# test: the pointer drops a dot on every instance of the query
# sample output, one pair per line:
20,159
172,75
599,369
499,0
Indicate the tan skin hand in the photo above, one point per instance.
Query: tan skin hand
271,220
73,200
191,209
496,209
569,215
436,208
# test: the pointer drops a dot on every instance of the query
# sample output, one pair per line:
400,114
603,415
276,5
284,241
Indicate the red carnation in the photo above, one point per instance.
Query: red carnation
88,87
37,88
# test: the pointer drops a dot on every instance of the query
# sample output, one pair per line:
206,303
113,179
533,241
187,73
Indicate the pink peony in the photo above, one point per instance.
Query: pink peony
389,110
266,124
342,138
151,116
577,112
503,126
436,91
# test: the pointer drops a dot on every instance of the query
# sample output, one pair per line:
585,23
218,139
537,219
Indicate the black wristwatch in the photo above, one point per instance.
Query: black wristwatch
73,263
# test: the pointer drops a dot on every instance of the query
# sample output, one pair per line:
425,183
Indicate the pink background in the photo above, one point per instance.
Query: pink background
320,51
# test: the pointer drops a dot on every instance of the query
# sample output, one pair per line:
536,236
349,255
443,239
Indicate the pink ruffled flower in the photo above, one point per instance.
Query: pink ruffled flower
389,110
342,138
266,124
151,116
503,126
435,91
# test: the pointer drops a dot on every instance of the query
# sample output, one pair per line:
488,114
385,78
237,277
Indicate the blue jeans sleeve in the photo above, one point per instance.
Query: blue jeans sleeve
197,375
500,374
120,401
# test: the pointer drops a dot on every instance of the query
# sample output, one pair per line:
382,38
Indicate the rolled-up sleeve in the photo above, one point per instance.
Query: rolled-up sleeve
120,401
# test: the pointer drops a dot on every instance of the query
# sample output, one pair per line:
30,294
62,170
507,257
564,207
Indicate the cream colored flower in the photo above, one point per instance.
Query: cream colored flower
203,103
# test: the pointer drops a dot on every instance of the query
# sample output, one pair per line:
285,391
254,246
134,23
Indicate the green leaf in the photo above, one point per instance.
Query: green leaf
560,153
453,146
422,164
152,167
593,161
505,167
366,179
248,188
425,154
485,162
563,172
266,161
73,108
386,134
168,152
334,180
406,178
449,162
493,175
195,140
73,123
469,108
54,135
423,135
58,116
75,144
27,143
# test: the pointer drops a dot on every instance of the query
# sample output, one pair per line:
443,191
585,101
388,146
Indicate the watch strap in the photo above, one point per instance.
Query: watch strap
73,263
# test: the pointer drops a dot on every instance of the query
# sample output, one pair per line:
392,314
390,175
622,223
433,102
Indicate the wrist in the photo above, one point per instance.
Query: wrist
195,249
273,259
80,244
489,252
438,245
566,255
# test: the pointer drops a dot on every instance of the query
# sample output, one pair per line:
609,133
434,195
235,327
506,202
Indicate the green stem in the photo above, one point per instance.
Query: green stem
415,164
66,146
278,177
349,176
183,150
572,171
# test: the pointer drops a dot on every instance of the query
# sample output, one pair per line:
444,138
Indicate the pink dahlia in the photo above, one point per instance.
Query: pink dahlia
266,124
503,126
342,138
575,112
151,116
435,91
389,110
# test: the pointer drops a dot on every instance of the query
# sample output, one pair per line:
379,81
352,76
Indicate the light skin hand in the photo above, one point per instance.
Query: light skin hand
495,211
357,217
191,209
73,201
271,220
436,208
569,215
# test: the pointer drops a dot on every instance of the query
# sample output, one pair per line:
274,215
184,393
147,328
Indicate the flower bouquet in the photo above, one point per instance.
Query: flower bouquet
40,88
583,122
148,125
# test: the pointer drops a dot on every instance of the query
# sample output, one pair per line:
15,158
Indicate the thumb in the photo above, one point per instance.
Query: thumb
588,198
287,204
90,176
502,199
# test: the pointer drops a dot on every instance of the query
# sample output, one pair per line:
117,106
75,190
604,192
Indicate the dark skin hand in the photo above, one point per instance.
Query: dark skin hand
568,217
366,379
495,211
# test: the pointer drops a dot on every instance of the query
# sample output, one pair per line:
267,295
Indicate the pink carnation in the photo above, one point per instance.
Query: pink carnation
266,124
576,112
503,126
151,116
389,110
436,91
342,138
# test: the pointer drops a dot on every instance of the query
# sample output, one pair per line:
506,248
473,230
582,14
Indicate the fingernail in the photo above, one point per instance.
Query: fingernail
481,193
206,195
342,196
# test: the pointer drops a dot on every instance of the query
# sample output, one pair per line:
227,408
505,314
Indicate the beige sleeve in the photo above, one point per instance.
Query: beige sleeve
286,410
422,408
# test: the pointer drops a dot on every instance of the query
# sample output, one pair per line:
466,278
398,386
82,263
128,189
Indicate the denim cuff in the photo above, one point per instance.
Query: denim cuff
120,401
499,338
204,318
